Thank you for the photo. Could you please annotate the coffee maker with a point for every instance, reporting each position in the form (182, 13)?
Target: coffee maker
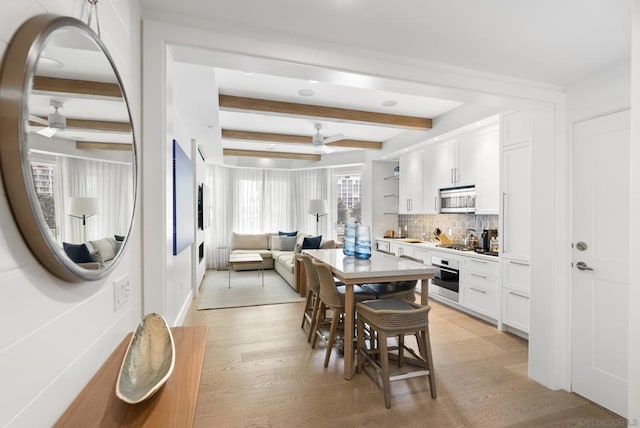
(485, 238)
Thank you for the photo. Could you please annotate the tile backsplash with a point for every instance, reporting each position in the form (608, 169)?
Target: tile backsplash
(417, 224)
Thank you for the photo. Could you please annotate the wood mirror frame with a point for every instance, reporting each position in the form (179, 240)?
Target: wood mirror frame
(17, 129)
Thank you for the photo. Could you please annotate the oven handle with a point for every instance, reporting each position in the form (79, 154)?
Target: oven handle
(455, 272)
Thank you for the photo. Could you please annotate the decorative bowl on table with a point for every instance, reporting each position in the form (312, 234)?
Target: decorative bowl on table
(148, 361)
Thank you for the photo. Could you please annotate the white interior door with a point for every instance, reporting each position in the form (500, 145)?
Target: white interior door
(600, 260)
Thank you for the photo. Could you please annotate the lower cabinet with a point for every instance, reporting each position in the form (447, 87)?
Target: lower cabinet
(401, 249)
(480, 286)
(515, 294)
(515, 309)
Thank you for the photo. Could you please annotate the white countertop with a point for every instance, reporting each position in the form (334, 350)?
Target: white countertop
(433, 246)
(379, 265)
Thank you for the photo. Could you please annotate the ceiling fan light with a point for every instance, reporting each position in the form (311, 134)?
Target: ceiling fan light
(57, 120)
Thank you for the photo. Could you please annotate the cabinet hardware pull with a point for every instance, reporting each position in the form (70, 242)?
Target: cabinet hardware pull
(452, 179)
(519, 295)
(435, 203)
(478, 290)
(504, 226)
(518, 263)
(478, 275)
(479, 261)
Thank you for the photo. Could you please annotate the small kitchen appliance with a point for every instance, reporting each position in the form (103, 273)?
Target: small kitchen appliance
(485, 238)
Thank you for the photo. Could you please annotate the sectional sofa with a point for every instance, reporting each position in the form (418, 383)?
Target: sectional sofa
(278, 251)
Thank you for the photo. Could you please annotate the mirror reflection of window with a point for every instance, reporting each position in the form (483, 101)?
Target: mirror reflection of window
(44, 181)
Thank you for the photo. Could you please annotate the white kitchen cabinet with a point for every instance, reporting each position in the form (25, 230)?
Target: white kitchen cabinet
(444, 172)
(411, 183)
(423, 255)
(401, 249)
(515, 309)
(515, 219)
(487, 178)
(470, 159)
(431, 184)
(516, 275)
(515, 238)
(480, 286)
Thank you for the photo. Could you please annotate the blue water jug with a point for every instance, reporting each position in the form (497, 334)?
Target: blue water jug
(349, 246)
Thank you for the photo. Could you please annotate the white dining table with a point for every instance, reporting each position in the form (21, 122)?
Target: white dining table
(380, 267)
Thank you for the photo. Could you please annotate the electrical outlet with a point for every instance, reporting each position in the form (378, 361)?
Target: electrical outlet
(121, 292)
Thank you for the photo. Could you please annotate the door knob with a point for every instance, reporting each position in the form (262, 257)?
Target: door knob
(583, 266)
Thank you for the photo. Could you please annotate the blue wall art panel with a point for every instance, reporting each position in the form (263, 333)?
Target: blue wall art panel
(182, 199)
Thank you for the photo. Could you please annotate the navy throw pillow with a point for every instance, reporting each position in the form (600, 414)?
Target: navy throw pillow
(78, 253)
(312, 243)
(119, 237)
(288, 233)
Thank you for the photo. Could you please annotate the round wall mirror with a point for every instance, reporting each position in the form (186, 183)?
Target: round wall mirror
(67, 147)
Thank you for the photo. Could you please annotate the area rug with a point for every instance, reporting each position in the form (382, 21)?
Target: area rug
(246, 290)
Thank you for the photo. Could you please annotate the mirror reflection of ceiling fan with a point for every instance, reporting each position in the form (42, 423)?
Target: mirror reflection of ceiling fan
(319, 141)
(55, 120)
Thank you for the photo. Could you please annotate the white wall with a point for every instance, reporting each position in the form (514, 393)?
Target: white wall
(55, 335)
(634, 231)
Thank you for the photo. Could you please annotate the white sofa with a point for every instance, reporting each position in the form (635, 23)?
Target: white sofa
(277, 253)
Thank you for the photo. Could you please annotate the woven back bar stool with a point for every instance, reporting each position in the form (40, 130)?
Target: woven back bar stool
(332, 297)
(312, 304)
(388, 318)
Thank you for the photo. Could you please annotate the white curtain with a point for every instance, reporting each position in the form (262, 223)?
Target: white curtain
(257, 201)
(111, 183)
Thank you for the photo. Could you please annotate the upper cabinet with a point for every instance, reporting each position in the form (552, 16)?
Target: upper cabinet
(487, 179)
(516, 178)
(411, 181)
(471, 159)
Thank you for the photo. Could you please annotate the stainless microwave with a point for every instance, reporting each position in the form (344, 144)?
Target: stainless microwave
(458, 199)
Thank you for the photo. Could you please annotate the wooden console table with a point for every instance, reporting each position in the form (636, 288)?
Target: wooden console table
(174, 405)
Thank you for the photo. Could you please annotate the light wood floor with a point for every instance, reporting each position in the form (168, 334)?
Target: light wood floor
(259, 371)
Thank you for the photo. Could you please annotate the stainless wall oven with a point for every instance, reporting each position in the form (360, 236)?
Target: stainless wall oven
(446, 282)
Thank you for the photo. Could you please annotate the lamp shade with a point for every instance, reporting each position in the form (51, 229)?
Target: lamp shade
(317, 206)
(83, 206)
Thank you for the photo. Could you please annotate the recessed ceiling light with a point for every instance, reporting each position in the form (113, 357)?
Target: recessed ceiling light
(313, 81)
(248, 73)
(306, 92)
(389, 103)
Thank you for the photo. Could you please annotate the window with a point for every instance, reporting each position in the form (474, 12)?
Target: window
(348, 203)
(43, 179)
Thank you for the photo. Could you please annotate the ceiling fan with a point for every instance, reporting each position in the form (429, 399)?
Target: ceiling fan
(319, 141)
(55, 120)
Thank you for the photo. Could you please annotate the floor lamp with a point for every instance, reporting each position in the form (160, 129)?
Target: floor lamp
(318, 208)
(83, 208)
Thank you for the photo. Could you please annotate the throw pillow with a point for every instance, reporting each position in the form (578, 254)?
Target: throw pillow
(312, 243)
(78, 253)
(287, 233)
(287, 243)
(106, 247)
(328, 244)
(275, 243)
